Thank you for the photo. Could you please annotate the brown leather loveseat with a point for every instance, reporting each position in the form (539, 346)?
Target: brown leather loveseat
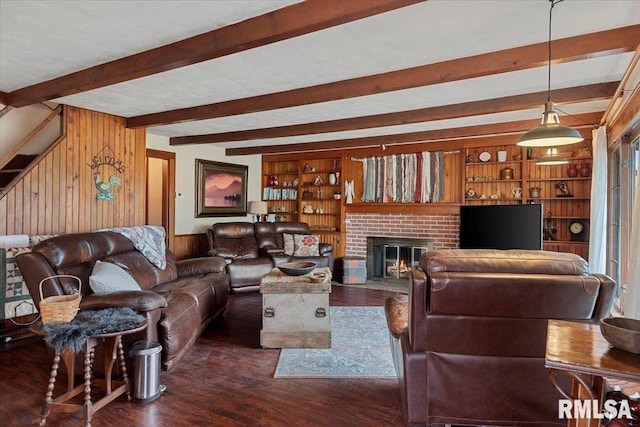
(469, 341)
(252, 250)
(178, 302)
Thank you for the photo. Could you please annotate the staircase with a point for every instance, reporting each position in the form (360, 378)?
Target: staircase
(14, 168)
(26, 149)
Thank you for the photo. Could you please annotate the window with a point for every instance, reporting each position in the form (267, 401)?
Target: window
(624, 161)
(614, 202)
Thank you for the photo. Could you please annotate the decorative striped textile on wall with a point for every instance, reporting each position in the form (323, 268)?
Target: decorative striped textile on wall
(403, 178)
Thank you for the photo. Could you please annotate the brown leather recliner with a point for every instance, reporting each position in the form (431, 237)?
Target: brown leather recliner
(178, 302)
(236, 243)
(469, 341)
(270, 237)
(252, 250)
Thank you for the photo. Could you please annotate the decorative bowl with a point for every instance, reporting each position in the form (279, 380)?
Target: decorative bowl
(318, 277)
(297, 268)
(622, 333)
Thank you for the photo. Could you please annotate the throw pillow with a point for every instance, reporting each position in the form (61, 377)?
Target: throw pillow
(288, 243)
(306, 245)
(107, 277)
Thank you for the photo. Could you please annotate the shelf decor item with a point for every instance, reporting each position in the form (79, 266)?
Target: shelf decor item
(572, 172)
(549, 227)
(577, 230)
(506, 173)
(585, 170)
(517, 192)
(534, 192)
(332, 178)
(563, 189)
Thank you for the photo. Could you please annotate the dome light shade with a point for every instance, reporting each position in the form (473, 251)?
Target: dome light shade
(551, 158)
(550, 133)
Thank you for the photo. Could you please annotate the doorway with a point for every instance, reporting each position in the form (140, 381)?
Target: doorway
(161, 184)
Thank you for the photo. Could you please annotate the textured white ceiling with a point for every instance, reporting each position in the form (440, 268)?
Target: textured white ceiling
(40, 40)
(43, 39)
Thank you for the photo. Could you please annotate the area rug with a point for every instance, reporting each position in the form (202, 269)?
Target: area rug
(359, 349)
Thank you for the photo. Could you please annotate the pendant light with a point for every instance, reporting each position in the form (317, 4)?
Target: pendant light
(550, 132)
(552, 158)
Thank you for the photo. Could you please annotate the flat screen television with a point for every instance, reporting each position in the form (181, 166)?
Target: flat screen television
(501, 227)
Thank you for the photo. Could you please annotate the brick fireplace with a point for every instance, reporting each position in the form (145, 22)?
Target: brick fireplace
(441, 229)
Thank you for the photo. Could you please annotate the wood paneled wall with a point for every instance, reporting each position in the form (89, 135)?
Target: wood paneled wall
(190, 246)
(58, 195)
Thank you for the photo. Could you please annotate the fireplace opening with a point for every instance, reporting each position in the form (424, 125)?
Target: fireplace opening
(391, 258)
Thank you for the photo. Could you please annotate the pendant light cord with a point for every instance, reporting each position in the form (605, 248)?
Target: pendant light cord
(553, 3)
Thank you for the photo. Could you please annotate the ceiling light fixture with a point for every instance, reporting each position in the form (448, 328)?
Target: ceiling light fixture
(550, 132)
(552, 158)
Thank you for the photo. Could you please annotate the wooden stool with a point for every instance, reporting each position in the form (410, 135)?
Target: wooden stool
(112, 349)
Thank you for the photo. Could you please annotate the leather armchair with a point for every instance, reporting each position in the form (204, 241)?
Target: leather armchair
(236, 243)
(469, 340)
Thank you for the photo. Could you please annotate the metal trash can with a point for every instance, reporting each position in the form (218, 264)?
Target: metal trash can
(146, 376)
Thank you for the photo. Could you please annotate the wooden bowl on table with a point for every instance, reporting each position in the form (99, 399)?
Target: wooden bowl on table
(299, 268)
(622, 333)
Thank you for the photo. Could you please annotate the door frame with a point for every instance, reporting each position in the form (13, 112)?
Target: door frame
(168, 197)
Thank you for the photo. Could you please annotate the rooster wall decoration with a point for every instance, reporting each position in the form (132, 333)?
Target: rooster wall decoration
(105, 189)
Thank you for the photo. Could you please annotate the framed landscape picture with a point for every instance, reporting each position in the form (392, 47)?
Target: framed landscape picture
(221, 189)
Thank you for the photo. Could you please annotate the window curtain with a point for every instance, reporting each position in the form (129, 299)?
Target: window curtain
(598, 215)
(632, 309)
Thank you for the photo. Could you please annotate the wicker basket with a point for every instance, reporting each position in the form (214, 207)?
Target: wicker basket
(60, 308)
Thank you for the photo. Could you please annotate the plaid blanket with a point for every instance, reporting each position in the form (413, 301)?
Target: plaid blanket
(148, 239)
(15, 300)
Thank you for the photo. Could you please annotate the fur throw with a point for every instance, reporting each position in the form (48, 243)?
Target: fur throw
(72, 336)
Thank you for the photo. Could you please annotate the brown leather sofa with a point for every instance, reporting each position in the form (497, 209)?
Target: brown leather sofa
(178, 302)
(252, 250)
(468, 341)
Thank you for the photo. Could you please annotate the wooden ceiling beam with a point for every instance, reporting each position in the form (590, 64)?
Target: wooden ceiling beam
(4, 98)
(291, 21)
(497, 105)
(601, 43)
(578, 121)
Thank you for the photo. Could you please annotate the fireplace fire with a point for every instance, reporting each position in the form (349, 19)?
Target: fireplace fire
(393, 257)
(393, 270)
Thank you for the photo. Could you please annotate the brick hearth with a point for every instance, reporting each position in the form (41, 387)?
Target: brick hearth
(443, 229)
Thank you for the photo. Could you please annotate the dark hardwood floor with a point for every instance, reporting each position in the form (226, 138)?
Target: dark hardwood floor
(225, 380)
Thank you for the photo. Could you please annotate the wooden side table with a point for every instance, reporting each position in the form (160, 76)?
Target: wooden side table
(112, 349)
(580, 351)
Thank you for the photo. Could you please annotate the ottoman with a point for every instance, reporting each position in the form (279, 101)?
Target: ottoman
(351, 270)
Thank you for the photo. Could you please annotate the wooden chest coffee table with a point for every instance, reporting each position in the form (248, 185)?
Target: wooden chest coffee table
(295, 311)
